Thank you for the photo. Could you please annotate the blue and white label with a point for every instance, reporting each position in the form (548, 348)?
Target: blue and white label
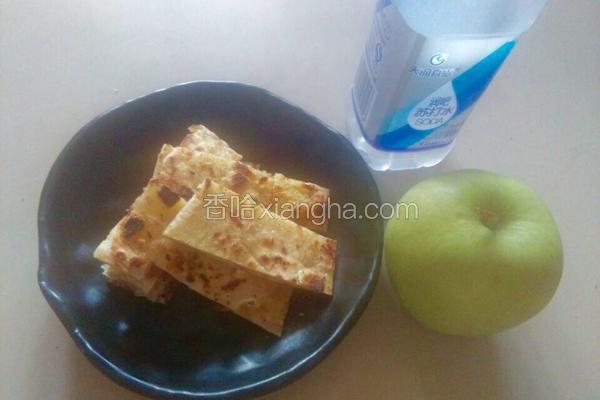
(433, 111)
(431, 122)
(413, 92)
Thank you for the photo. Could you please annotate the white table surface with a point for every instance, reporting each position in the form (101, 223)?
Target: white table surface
(63, 62)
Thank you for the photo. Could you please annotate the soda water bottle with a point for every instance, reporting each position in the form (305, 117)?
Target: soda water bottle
(425, 64)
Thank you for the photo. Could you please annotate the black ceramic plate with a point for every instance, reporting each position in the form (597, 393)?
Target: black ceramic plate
(188, 349)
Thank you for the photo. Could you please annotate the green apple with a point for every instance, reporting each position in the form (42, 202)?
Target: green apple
(483, 255)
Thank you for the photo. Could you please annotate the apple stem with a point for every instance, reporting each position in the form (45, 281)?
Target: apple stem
(489, 218)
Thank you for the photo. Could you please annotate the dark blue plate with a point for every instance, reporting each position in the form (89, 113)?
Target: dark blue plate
(188, 349)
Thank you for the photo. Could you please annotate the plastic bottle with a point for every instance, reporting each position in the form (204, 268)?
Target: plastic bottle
(425, 64)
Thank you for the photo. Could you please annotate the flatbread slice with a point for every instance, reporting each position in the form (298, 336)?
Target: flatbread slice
(124, 251)
(302, 202)
(146, 280)
(202, 139)
(261, 242)
(139, 247)
(247, 295)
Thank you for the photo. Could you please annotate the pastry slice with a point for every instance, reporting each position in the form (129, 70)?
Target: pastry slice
(137, 247)
(146, 280)
(302, 202)
(202, 139)
(254, 239)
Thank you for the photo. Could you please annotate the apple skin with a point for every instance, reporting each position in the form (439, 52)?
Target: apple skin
(483, 256)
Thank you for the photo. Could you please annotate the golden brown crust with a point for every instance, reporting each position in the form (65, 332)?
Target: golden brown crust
(156, 258)
(168, 197)
(125, 244)
(266, 244)
(274, 191)
(132, 225)
(202, 139)
(177, 173)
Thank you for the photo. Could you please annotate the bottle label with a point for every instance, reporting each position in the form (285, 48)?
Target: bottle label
(414, 93)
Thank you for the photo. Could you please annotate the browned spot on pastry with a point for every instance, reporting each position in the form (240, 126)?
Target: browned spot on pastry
(237, 181)
(231, 285)
(168, 196)
(186, 192)
(262, 180)
(152, 272)
(178, 265)
(132, 225)
(237, 249)
(175, 260)
(190, 277)
(208, 168)
(281, 261)
(120, 256)
(207, 183)
(329, 249)
(221, 238)
(283, 250)
(241, 175)
(205, 281)
(136, 262)
(274, 260)
(329, 245)
(242, 169)
(309, 186)
(268, 242)
(314, 282)
(265, 259)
